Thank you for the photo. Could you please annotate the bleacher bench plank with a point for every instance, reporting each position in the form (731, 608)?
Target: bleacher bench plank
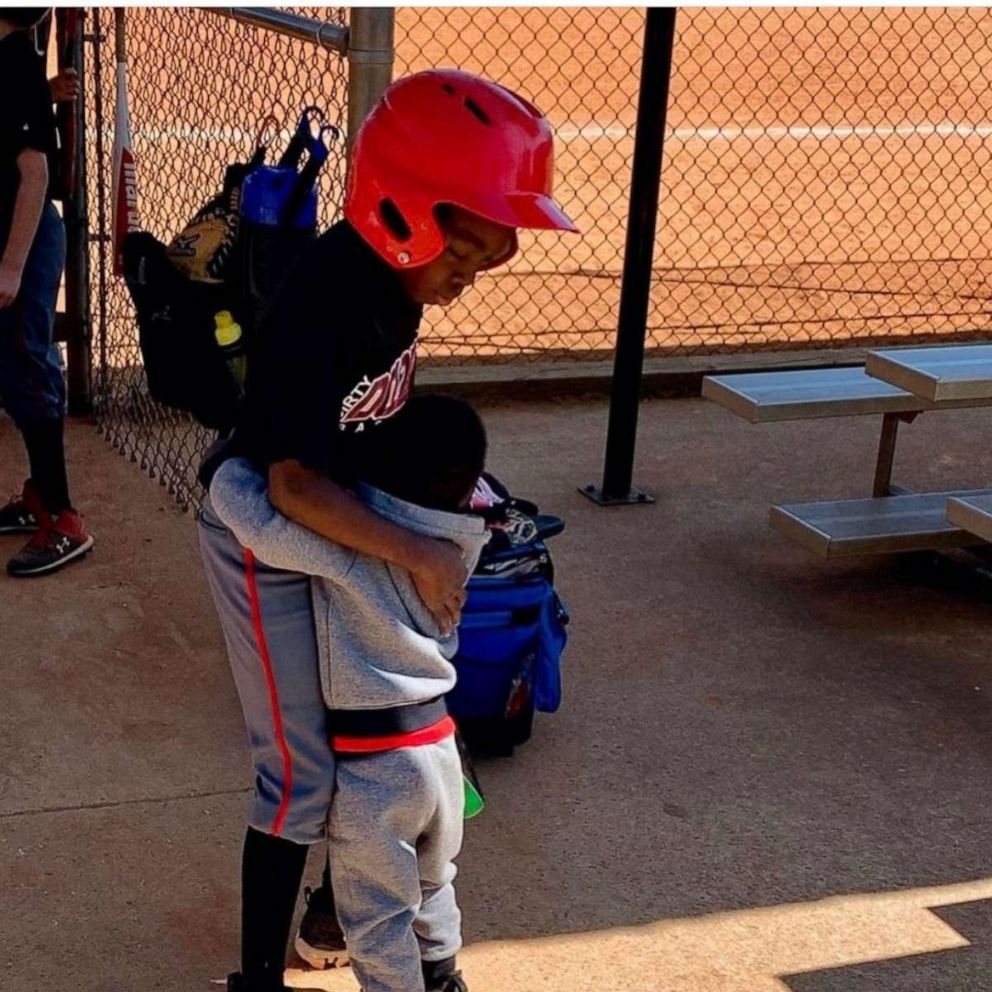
(973, 514)
(880, 525)
(943, 374)
(766, 397)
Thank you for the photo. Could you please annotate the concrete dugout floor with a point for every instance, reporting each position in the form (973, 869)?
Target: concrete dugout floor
(767, 772)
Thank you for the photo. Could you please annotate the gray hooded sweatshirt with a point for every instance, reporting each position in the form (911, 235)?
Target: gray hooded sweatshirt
(379, 644)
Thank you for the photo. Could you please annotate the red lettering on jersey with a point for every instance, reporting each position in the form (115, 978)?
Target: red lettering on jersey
(383, 397)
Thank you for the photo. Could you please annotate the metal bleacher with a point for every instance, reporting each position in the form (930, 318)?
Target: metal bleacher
(848, 527)
(892, 519)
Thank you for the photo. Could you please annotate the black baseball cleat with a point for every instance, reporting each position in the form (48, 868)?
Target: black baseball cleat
(320, 940)
(450, 983)
(443, 976)
(22, 513)
(236, 982)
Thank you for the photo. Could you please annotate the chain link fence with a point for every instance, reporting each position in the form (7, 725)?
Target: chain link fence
(826, 179)
(194, 111)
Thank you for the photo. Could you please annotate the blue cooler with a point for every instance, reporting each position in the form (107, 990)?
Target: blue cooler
(511, 638)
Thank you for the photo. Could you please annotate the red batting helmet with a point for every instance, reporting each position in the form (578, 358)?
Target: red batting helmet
(445, 136)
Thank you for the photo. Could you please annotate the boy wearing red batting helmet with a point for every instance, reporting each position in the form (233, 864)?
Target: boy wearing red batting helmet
(443, 172)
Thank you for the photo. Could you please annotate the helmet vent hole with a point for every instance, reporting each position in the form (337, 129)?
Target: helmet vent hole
(475, 109)
(394, 220)
(448, 88)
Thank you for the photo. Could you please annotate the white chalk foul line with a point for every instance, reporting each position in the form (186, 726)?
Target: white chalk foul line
(712, 134)
(685, 135)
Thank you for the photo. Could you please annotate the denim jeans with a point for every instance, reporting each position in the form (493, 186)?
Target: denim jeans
(32, 383)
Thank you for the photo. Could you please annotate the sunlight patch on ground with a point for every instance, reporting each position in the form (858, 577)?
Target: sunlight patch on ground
(741, 951)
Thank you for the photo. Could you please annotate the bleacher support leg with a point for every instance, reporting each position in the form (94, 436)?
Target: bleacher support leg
(886, 455)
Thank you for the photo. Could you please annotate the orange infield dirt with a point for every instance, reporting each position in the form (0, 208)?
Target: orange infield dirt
(825, 174)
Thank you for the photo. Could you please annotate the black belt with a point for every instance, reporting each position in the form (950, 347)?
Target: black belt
(386, 722)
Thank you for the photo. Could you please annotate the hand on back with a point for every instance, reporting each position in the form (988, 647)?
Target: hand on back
(440, 582)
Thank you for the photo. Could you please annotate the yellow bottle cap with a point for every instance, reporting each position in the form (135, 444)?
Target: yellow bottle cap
(226, 330)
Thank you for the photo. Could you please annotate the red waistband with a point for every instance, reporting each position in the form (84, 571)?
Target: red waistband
(433, 734)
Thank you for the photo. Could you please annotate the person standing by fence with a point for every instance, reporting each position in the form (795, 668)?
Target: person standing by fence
(443, 172)
(32, 257)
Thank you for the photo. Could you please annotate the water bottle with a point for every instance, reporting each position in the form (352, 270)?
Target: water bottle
(227, 332)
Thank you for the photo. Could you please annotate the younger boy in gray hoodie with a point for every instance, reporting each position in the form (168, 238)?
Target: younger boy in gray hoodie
(396, 818)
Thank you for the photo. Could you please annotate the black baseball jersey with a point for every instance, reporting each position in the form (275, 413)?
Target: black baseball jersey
(333, 360)
(26, 116)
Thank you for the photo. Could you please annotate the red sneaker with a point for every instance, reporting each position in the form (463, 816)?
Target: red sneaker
(56, 543)
(23, 513)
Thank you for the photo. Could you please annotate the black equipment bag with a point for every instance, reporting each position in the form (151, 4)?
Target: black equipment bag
(184, 367)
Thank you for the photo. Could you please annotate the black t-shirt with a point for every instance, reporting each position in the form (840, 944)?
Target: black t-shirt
(26, 116)
(333, 361)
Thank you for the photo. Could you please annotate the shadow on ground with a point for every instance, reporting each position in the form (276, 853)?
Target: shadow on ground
(942, 971)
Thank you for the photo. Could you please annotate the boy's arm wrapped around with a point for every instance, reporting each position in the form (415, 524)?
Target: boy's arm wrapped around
(240, 498)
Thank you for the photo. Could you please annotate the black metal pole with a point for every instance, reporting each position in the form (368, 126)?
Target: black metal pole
(628, 363)
(103, 228)
(75, 216)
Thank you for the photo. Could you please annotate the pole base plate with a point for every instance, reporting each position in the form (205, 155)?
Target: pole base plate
(634, 497)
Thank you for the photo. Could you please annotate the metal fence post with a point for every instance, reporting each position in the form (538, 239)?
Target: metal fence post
(370, 61)
(628, 364)
(75, 217)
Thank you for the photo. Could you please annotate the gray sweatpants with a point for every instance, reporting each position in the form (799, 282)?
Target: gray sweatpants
(395, 829)
(267, 618)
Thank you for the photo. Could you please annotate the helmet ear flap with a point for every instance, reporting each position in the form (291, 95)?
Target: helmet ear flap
(411, 230)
